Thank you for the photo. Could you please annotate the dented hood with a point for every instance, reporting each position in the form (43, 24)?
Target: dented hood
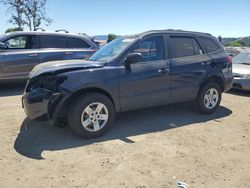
(63, 66)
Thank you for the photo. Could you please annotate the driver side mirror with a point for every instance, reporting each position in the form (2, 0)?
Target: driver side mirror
(133, 58)
(2, 46)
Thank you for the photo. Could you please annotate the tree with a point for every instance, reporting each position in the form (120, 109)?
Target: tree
(13, 29)
(35, 13)
(15, 9)
(236, 43)
(111, 37)
(220, 39)
(29, 13)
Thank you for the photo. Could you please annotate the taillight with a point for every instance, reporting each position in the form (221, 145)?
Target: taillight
(229, 59)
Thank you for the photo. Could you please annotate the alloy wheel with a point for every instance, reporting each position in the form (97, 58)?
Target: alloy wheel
(94, 117)
(211, 98)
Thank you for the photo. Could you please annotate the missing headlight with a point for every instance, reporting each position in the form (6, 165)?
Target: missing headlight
(48, 82)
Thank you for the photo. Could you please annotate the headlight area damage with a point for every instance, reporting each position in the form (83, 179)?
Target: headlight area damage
(42, 94)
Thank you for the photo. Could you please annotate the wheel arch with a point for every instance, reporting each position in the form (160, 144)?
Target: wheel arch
(214, 78)
(61, 110)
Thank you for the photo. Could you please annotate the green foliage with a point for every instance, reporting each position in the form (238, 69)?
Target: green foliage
(111, 37)
(236, 43)
(31, 13)
(13, 29)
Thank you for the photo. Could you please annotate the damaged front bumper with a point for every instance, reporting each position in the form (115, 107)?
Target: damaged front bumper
(40, 103)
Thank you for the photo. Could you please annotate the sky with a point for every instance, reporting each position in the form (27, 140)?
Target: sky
(228, 18)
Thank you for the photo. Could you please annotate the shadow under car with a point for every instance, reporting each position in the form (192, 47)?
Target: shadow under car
(36, 137)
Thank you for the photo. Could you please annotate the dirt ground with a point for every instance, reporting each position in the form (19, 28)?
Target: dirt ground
(147, 148)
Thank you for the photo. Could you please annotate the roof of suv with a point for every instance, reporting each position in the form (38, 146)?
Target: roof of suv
(86, 37)
(46, 33)
(170, 31)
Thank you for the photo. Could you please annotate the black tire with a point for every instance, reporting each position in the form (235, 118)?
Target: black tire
(200, 100)
(77, 107)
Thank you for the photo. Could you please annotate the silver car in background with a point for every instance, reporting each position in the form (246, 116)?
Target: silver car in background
(21, 51)
(241, 70)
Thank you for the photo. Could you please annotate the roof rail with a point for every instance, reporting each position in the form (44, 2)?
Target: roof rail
(39, 28)
(176, 30)
(59, 30)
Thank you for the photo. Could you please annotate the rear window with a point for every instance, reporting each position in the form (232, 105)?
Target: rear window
(53, 42)
(77, 43)
(209, 44)
(242, 57)
(184, 46)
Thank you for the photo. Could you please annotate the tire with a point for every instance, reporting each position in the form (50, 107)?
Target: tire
(86, 120)
(206, 101)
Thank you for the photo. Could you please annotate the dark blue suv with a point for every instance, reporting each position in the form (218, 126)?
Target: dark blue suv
(149, 69)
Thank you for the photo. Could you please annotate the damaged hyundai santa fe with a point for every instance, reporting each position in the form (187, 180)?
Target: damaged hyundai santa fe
(132, 72)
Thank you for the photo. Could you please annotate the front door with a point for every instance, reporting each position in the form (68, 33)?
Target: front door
(20, 56)
(146, 83)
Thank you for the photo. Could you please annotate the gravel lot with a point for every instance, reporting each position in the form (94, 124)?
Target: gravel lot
(147, 148)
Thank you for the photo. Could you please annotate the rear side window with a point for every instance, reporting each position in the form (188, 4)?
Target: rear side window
(77, 43)
(151, 49)
(184, 46)
(53, 42)
(209, 44)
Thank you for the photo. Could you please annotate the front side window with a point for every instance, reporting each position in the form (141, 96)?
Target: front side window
(151, 49)
(112, 49)
(209, 44)
(18, 42)
(53, 42)
(184, 47)
(22, 42)
(77, 43)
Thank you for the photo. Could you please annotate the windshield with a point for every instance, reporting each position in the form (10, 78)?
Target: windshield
(111, 50)
(243, 58)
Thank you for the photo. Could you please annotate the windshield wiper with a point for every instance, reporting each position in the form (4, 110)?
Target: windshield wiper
(245, 63)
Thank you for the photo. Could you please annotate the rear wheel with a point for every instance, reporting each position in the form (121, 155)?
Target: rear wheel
(91, 115)
(208, 98)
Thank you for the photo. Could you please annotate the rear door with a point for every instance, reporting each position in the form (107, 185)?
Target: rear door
(187, 66)
(146, 83)
(54, 47)
(80, 48)
(21, 55)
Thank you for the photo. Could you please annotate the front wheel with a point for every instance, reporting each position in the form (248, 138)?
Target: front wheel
(208, 98)
(90, 115)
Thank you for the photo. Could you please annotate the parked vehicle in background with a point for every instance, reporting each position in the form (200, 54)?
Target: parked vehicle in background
(21, 51)
(233, 51)
(132, 72)
(241, 70)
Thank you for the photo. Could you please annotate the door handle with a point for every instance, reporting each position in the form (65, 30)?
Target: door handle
(68, 53)
(163, 71)
(32, 55)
